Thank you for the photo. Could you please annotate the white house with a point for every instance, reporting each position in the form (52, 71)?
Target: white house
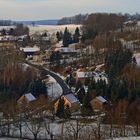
(32, 52)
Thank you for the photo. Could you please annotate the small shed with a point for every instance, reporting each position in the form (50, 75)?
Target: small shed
(25, 100)
(98, 103)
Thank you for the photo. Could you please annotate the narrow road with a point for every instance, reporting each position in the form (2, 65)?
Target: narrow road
(58, 79)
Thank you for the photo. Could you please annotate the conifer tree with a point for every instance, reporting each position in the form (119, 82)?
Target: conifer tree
(86, 107)
(67, 112)
(116, 60)
(67, 38)
(60, 109)
(58, 36)
(76, 35)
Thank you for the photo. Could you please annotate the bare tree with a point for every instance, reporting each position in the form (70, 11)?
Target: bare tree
(34, 123)
(18, 122)
(74, 128)
(48, 129)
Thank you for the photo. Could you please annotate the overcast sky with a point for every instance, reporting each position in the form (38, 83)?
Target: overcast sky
(55, 9)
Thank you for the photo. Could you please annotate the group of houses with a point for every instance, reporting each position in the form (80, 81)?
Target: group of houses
(34, 53)
(81, 73)
(11, 38)
(32, 103)
(98, 103)
(29, 101)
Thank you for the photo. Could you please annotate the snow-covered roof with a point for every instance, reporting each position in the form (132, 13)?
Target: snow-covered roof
(71, 98)
(7, 38)
(138, 23)
(97, 76)
(10, 36)
(66, 50)
(1, 114)
(99, 67)
(22, 36)
(60, 44)
(31, 49)
(126, 138)
(1, 37)
(30, 97)
(100, 98)
(45, 38)
(137, 56)
(81, 74)
(128, 22)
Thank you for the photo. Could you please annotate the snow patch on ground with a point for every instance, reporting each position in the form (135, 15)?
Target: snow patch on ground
(137, 56)
(138, 61)
(53, 88)
(49, 28)
(9, 138)
(126, 138)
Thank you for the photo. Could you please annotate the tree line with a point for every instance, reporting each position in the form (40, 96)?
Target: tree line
(5, 22)
(77, 19)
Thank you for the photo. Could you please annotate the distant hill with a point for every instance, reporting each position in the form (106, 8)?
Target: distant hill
(77, 19)
(39, 22)
(5, 22)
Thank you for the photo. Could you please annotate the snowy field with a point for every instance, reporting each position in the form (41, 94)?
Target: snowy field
(50, 28)
(126, 138)
(138, 61)
(9, 138)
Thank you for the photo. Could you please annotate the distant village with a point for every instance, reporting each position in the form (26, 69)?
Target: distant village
(79, 84)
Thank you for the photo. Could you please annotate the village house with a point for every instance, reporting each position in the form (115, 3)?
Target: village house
(33, 103)
(41, 102)
(7, 38)
(25, 100)
(32, 53)
(67, 54)
(70, 100)
(82, 74)
(21, 38)
(98, 103)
